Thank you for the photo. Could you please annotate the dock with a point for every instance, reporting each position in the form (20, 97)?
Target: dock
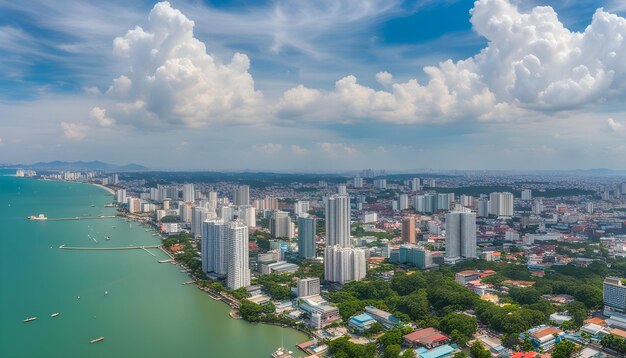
(63, 247)
(146, 250)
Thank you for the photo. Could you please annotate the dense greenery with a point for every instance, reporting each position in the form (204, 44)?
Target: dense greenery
(614, 342)
(478, 351)
(343, 348)
(563, 349)
(276, 285)
(188, 256)
(253, 312)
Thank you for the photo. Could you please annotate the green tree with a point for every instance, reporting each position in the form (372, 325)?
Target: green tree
(392, 351)
(478, 351)
(563, 349)
(460, 355)
(408, 353)
(462, 323)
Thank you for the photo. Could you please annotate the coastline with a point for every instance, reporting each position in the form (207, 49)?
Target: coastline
(111, 191)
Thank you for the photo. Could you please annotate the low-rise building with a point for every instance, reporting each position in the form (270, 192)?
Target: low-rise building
(544, 337)
(362, 322)
(426, 337)
(319, 311)
(385, 318)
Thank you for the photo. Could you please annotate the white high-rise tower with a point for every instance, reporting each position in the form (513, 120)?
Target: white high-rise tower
(338, 220)
(189, 194)
(460, 235)
(238, 272)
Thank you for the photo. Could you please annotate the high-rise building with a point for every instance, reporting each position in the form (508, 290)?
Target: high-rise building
(198, 216)
(343, 264)
(501, 204)
(185, 212)
(614, 295)
(527, 194)
(238, 270)
(300, 207)
(342, 190)
(443, 202)
(357, 182)
(460, 235)
(120, 196)
(415, 184)
(213, 246)
(241, 195)
(226, 212)
(308, 287)
(380, 183)
(247, 215)
(189, 194)
(338, 220)
(482, 207)
(408, 229)
(134, 205)
(115, 179)
(403, 202)
(281, 225)
(306, 237)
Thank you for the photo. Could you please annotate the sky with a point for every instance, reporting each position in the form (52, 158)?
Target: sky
(326, 85)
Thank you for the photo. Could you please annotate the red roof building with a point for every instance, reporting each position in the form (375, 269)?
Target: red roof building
(427, 337)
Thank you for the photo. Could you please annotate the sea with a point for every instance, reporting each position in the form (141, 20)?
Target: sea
(146, 311)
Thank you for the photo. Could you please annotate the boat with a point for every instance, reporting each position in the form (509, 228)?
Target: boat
(93, 206)
(106, 293)
(38, 217)
(54, 314)
(99, 339)
(29, 319)
(108, 237)
(282, 352)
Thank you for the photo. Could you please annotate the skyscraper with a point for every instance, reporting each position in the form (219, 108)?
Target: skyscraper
(527, 194)
(501, 204)
(281, 225)
(189, 194)
(306, 237)
(415, 184)
(380, 183)
(198, 216)
(408, 229)
(214, 238)
(403, 202)
(338, 220)
(120, 196)
(357, 182)
(238, 270)
(341, 189)
(460, 235)
(482, 207)
(343, 264)
(300, 207)
(241, 195)
(247, 215)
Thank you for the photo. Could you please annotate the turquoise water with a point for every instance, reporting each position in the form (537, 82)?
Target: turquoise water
(147, 313)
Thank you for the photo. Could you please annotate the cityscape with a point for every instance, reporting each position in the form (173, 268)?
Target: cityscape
(313, 178)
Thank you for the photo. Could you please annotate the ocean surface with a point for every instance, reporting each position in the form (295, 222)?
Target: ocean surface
(147, 312)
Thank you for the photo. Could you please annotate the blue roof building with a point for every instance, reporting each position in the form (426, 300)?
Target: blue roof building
(361, 322)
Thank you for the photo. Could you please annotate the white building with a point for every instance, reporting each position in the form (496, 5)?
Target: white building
(380, 183)
(357, 182)
(460, 235)
(369, 217)
(281, 225)
(198, 216)
(403, 202)
(308, 286)
(214, 250)
(344, 264)
(247, 215)
(188, 193)
(338, 220)
(241, 195)
(120, 196)
(238, 270)
(301, 207)
(501, 204)
(527, 194)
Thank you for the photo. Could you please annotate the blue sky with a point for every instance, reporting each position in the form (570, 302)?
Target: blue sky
(314, 85)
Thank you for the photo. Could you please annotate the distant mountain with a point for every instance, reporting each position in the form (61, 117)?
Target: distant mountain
(93, 165)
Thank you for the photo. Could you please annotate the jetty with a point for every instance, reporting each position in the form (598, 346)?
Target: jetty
(63, 247)
(83, 218)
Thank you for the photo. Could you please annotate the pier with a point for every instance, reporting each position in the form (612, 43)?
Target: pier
(79, 218)
(63, 247)
(146, 250)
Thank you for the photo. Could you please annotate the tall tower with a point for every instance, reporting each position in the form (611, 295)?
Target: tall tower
(238, 270)
(189, 193)
(408, 229)
(214, 239)
(241, 195)
(338, 220)
(306, 237)
(460, 235)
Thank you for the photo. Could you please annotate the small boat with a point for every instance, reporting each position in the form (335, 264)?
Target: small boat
(78, 297)
(108, 237)
(99, 339)
(29, 319)
(106, 293)
(93, 206)
(54, 314)
(282, 353)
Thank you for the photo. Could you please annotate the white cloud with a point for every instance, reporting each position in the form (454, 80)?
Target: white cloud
(384, 78)
(532, 63)
(296, 149)
(172, 80)
(269, 148)
(100, 115)
(615, 126)
(336, 149)
(73, 131)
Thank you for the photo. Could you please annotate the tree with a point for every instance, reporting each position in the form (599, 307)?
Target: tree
(460, 355)
(525, 296)
(408, 353)
(458, 337)
(392, 351)
(465, 325)
(478, 351)
(217, 287)
(563, 349)
(578, 311)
